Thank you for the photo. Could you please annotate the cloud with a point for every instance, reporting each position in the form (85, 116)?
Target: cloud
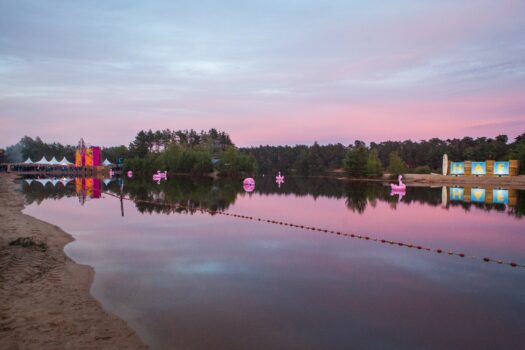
(331, 72)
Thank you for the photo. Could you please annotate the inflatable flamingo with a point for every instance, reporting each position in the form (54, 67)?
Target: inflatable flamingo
(160, 176)
(279, 179)
(248, 184)
(401, 187)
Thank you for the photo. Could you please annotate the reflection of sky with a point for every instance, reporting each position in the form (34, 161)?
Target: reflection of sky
(218, 282)
(417, 69)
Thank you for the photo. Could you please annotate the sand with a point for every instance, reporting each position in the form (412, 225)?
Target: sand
(44, 295)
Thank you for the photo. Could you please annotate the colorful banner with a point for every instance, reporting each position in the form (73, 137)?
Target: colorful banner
(97, 156)
(97, 188)
(477, 195)
(78, 158)
(479, 168)
(457, 193)
(457, 168)
(500, 196)
(501, 168)
(89, 157)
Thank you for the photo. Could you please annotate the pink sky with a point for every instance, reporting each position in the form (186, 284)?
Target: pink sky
(265, 73)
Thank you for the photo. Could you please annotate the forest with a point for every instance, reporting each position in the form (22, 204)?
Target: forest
(192, 152)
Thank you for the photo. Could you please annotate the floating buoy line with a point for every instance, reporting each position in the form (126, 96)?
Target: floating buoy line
(331, 232)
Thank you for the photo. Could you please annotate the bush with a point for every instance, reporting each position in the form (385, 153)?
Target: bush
(423, 169)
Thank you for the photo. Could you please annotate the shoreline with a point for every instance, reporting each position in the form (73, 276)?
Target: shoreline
(46, 299)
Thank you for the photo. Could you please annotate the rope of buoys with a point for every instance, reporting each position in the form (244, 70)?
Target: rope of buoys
(338, 233)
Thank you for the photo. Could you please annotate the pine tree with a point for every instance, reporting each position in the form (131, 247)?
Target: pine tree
(374, 168)
(356, 159)
(396, 166)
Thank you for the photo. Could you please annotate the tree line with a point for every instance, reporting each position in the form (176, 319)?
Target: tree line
(189, 151)
(394, 157)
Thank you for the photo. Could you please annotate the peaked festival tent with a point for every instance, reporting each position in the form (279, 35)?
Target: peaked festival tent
(43, 161)
(28, 161)
(106, 162)
(54, 161)
(65, 181)
(64, 161)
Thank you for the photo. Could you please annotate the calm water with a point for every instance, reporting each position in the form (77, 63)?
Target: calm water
(190, 280)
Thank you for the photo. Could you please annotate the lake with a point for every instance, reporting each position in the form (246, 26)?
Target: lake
(185, 275)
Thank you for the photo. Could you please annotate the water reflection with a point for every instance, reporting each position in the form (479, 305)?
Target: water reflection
(188, 195)
(203, 282)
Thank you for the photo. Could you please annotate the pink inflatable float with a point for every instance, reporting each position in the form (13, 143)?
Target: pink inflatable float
(248, 184)
(279, 179)
(401, 187)
(130, 174)
(160, 176)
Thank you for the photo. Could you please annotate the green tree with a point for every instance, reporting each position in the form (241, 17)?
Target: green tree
(234, 162)
(518, 153)
(374, 168)
(396, 165)
(356, 160)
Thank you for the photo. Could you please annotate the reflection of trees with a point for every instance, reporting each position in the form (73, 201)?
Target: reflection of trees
(302, 186)
(186, 194)
(356, 198)
(519, 209)
(36, 192)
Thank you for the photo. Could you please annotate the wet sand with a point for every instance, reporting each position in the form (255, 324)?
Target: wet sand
(44, 296)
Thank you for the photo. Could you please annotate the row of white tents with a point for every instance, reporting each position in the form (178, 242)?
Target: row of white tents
(54, 161)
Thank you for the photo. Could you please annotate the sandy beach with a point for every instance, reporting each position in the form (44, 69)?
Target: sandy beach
(45, 299)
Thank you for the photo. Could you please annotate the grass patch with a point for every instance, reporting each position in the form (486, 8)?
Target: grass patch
(28, 242)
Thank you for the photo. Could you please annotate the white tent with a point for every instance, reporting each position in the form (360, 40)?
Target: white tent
(106, 162)
(28, 161)
(42, 161)
(65, 181)
(64, 161)
(54, 161)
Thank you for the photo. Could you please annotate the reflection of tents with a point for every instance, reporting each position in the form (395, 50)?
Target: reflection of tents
(107, 181)
(65, 181)
(106, 162)
(44, 182)
(29, 181)
(64, 161)
(28, 161)
(42, 161)
(54, 182)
